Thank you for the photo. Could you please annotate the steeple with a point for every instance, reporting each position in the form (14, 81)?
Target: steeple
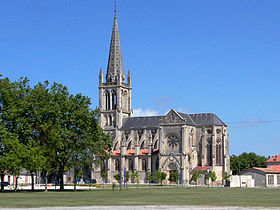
(115, 63)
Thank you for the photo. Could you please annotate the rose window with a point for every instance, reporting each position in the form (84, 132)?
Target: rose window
(172, 141)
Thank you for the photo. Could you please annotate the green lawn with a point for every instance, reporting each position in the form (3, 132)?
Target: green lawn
(154, 196)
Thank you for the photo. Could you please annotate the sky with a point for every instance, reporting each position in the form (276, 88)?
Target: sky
(199, 56)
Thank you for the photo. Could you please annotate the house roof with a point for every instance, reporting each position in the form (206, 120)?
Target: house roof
(271, 169)
(275, 158)
(153, 122)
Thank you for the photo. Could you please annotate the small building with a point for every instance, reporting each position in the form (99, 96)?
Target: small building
(274, 161)
(265, 177)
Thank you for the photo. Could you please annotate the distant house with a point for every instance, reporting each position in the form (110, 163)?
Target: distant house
(274, 161)
(266, 177)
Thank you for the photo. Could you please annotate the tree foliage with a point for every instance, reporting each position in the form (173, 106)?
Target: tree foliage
(246, 161)
(195, 176)
(56, 129)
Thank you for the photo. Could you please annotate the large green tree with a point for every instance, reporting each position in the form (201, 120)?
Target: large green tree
(10, 155)
(50, 119)
(246, 161)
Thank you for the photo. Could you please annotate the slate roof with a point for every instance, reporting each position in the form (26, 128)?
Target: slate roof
(206, 119)
(141, 122)
(152, 122)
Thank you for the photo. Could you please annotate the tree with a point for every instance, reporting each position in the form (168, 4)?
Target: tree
(150, 178)
(246, 161)
(10, 155)
(196, 174)
(104, 175)
(135, 177)
(33, 159)
(61, 123)
(65, 124)
(213, 177)
(226, 178)
(118, 178)
(173, 176)
(207, 177)
(159, 176)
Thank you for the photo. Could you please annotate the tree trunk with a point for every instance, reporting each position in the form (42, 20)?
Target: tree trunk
(32, 181)
(46, 183)
(16, 185)
(75, 181)
(61, 184)
(2, 182)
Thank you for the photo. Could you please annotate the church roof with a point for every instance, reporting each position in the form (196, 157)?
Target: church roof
(206, 119)
(141, 122)
(151, 122)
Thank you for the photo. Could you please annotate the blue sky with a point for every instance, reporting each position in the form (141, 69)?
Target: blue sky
(193, 56)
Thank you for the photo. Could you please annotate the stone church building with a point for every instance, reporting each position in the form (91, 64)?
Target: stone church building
(177, 142)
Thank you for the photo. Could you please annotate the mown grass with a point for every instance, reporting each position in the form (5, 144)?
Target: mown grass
(154, 196)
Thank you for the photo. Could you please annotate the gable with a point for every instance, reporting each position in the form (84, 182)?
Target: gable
(173, 117)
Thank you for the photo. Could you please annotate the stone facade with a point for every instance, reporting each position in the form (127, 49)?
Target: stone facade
(177, 142)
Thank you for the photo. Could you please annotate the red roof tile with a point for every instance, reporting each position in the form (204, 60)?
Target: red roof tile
(271, 169)
(201, 168)
(144, 151)
(131, 152)
(275, 158)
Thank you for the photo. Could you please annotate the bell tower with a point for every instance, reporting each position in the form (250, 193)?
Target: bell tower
(114, 93)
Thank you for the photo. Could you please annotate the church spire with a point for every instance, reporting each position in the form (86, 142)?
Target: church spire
(115, 63)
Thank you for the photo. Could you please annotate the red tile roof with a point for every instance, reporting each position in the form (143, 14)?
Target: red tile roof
(271, 169)
(201, 168)
(132, 152)
(275, 158)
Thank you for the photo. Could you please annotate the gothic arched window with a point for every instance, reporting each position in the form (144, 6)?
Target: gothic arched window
(218, 152)
(144, 165)
(114, 99)
(130, 164)
(107, 100)
(209, 152)
(117, 165)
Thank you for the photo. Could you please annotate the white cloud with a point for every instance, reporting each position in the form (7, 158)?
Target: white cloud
(144, 112)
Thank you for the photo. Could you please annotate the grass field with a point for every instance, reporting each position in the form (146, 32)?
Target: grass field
(161, 196)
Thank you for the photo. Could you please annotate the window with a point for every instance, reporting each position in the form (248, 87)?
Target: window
(270, 179)
(218, 152)
(144, 166)
(130, 164)
(172, 141)
(117, 165)
(278, 179)
(209, 152)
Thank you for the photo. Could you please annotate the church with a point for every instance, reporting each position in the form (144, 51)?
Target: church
(175, 142)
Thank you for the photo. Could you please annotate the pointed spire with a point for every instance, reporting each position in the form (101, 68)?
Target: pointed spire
(115, 63)
(100, 76)
(129, 78)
